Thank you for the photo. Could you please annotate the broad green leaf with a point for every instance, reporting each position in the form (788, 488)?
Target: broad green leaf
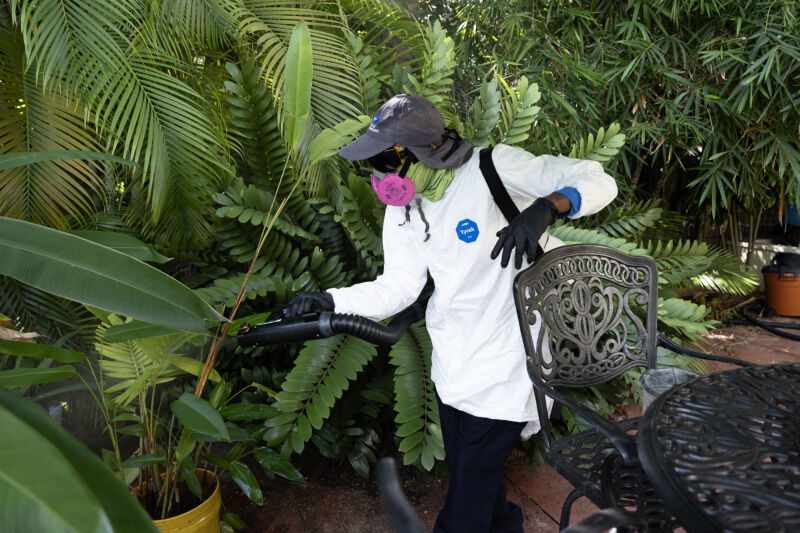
(220, 394)
(247, 411)
(122, 243)
(140, 461)
(51, 478)
(39, 488)
(193, 367)
(40, 351)
(274, 463)
(198, 415)
(297, 86)
(21, 377)
(244, 477)
(18, 159)
(185, 445)
(330, 140)
(135, 329)
(92, 274)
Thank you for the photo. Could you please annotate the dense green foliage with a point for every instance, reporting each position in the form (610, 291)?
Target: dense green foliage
(237, 185)
(707, 91)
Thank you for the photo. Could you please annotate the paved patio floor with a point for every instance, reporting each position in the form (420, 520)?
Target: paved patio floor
(333, 502)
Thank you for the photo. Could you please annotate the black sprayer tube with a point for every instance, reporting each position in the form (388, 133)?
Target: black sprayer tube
(326, 324)
(400, 512)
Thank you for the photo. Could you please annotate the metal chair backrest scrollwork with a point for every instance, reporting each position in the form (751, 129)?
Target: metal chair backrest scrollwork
(588, 314)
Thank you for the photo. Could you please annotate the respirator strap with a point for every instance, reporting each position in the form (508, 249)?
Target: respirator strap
(409, 160)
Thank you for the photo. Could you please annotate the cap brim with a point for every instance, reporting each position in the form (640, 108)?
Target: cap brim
(363, 148)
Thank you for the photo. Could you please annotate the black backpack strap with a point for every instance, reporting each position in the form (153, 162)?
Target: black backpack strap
(496, 187)
(498, 190)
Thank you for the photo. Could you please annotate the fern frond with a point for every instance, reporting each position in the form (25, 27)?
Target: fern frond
(485, 114)
(251, 205)
(370, 72)
(684, 316)
(519, 111)
(435, 80)
(628, 221)
(355, 208)
(336, 91)
(387, 28)
(51, 316)
(254, 121)
(353, 429)
(600, 148)
(49, 192)
(572, 235)
(725, 274)
(415, 400)
(322, 371)
(135, 365)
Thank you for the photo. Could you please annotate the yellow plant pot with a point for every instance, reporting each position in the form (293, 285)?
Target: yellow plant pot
(202, 519)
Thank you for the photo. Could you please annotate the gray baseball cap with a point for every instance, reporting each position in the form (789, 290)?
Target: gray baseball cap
(405, 120)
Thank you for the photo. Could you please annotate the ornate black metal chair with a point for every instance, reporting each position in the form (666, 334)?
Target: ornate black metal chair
(587, 315)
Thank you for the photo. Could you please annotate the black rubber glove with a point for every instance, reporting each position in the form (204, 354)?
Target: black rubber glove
(524, 231)
(306, 301)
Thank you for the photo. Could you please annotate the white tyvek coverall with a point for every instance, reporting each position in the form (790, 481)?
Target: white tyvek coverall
(478, 357)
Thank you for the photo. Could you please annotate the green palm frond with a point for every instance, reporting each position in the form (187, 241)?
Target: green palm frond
(572, 235)
(415, 400)
(353, 429)
(370, 73)
(602, 147)
(485, 114)
(322, 371)
(519, 111)
(182, 27)
(726, 274)
(390, 30)
(260, 284)
(131, 367)
(336, 91)
(679, 260)
(358, 212)
(685, 317)
(48, 192)
(83, 50)
(436, 77)
(628, 221)
(251, 205)
(254, 121)
(695, 264)
(692, 263)
(53, 317)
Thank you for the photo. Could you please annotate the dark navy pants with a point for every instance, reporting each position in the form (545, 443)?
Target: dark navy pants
(477, 449)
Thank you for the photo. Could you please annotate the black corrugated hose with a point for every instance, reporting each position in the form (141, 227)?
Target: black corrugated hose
(749, 312)
(322, 325)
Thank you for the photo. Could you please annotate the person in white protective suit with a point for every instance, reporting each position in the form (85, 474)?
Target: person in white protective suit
(442, 220)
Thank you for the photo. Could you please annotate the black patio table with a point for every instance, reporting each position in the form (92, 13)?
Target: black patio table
(723, 450)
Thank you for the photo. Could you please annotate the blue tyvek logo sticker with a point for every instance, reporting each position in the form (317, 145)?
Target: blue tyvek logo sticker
(375, 120)
(467, 230)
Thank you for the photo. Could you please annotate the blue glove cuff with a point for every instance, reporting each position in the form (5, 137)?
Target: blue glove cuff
(574, 200)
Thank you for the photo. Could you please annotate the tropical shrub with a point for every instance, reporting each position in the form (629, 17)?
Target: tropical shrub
(235, 183)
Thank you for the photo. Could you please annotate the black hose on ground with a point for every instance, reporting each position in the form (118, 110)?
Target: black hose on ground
(772, 327)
